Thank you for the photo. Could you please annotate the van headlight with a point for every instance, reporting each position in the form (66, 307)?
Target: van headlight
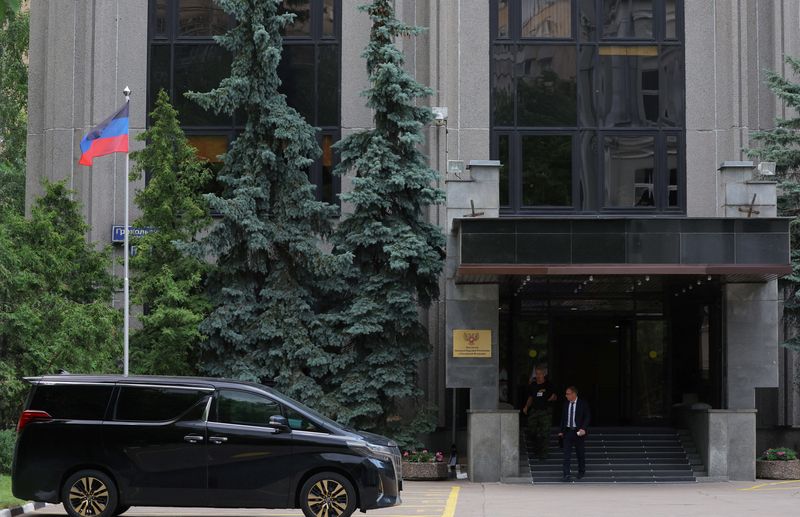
(371, 450)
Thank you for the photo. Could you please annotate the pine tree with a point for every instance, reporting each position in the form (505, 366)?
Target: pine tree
(782, 145)
(271, 272)
(55, 294)
(166, 281)
(398, 255)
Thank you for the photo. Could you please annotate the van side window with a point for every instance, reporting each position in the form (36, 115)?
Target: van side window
(74, 402)
(142, 404)
(241, 407)
(299, 422)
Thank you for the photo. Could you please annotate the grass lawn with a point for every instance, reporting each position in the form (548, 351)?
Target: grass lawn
(6, 499)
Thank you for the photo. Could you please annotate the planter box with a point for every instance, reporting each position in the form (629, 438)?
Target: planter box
(424, 471)
(778, 469)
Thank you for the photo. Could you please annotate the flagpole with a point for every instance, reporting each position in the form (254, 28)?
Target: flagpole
(126, 285)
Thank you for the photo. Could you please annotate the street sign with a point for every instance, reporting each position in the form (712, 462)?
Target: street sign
(118, 232)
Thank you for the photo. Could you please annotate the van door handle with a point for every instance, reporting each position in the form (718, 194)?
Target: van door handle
(192, 438)
(218, 440)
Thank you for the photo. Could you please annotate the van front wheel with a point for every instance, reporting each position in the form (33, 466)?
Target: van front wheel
(89, 493)
(328, 494)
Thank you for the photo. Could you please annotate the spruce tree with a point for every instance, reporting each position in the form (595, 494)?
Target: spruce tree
(782, 146)
(271, 271)
(398, 254)
(167, 282)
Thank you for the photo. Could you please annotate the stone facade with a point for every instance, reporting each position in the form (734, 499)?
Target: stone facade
(83, 53)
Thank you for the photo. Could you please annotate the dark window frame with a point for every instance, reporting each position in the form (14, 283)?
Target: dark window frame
(515, 132)
(317, 39)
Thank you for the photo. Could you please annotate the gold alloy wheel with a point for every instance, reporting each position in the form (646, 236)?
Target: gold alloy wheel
(88, 496)
(327, 498)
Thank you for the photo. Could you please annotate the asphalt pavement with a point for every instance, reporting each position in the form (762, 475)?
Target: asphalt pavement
(463, 499)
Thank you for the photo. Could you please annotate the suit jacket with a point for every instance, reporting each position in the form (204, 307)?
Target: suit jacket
(583, 417)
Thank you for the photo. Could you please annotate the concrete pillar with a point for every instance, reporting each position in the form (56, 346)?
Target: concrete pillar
(726, 442)
(472, 306)
(493, 445)
(751, 329)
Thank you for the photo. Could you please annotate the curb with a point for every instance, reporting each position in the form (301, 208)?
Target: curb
(21, 510)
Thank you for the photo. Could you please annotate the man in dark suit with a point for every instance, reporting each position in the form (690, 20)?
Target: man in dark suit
(575, 420)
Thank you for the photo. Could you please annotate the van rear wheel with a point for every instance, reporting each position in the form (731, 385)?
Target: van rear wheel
(89, 493)
(328, 494)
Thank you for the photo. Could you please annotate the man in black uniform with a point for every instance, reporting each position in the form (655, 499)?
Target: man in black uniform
(575, 421)
(539, 410)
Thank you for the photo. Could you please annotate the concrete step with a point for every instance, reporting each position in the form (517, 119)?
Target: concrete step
(622, 455)
(679, 479)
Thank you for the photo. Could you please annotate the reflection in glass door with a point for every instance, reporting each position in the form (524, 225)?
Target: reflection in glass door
(648, 371)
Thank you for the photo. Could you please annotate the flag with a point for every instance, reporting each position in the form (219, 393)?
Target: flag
(110, 136)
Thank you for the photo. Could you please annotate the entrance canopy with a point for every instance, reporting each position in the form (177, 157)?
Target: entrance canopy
(742, 249)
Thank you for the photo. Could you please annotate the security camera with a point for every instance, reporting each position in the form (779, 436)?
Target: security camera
(439, 115)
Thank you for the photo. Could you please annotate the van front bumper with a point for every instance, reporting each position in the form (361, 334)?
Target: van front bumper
(380, 486)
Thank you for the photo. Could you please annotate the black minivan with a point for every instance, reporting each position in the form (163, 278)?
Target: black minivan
(100, 444)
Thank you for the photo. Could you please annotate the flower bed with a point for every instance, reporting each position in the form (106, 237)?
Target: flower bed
(424, 466)
(424, 471)
(779, 463)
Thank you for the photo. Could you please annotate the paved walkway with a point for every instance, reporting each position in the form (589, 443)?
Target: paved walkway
(462, 499)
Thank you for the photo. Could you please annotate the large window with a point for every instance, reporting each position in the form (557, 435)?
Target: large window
(587, 105)
(184, 57)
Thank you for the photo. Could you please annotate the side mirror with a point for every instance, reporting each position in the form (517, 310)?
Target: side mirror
(280, 423)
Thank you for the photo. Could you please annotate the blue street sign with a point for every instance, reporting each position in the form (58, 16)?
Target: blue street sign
(118, 232)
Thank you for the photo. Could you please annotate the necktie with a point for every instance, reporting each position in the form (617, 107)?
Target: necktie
(572, 414)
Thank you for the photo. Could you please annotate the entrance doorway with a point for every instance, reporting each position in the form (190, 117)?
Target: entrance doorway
(633, 348)
(618, 364)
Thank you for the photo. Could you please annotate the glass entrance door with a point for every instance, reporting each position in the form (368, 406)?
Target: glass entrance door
(618, 364)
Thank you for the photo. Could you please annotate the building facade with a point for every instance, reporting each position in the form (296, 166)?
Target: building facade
(608, 226)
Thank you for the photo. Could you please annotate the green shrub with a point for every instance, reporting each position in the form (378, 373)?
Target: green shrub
(779, 454)
(8, 438)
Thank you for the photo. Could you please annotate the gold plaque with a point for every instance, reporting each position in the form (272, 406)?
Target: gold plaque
(472, 343)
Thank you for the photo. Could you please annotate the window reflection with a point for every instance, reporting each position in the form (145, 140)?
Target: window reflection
(502, 19)
(201, 18)
(673, 160)
(628, 85)
(215, 63)
(628, 19)
(672, 107)
(160, 18)
(327, 192)
(296, 71)
(328, 90)
(629, 165)
(546, 18)
(587, 19)
(160, 65)
(670, 20)
(301, 25)
(328, 18)
(546, 86)
(505, 163)
(547, 170)
(503, 85)
(587, 172)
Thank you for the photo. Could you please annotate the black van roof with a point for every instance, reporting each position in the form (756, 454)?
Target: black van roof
(206, 382)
